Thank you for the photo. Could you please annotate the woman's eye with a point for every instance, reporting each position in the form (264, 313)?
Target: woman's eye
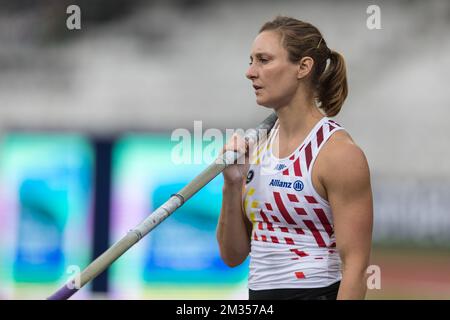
(260, 60)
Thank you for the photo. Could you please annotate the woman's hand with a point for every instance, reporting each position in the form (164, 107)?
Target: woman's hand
(235, 174)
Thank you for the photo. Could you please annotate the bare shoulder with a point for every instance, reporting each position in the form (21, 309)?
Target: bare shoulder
(343, 161)
(340, 147)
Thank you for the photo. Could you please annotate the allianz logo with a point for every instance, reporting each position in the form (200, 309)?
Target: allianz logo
(297, 185)
(280, 166)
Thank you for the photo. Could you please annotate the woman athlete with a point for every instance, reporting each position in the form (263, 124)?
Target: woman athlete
(301, 204)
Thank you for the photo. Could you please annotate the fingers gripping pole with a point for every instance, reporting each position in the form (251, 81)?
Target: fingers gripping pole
(160, 214)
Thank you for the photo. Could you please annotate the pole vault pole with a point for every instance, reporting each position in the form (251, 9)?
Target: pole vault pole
(159, 215)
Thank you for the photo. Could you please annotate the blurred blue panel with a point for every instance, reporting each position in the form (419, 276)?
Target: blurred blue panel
(184, 248)
(45, 192)
(180, 257)
(43, 213)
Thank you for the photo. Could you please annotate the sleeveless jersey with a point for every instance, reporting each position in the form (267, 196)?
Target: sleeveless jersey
(292, 241)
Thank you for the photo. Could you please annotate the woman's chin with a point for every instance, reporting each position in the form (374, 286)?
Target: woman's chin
(262, 102)
(265, 103)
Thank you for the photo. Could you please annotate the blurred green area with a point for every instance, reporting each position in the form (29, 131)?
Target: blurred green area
(411, 272)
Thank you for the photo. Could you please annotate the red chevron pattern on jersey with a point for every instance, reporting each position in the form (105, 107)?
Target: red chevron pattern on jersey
(310, 199)
(300, 253)
(292, 197)
(297, 168)
(266, 224)
(290, 220)
(324, 220)
(280, 205)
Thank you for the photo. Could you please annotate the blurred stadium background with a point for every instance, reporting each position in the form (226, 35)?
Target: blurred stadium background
(86, 118)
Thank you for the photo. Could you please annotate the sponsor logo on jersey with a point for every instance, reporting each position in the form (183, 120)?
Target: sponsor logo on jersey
(297, 185)
(280, 166)
(279, 183)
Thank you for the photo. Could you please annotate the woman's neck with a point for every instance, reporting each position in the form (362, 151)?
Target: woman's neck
(296, 120)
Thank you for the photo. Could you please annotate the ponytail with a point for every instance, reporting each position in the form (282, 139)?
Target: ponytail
(332, 86)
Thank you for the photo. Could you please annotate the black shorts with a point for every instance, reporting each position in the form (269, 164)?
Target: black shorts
(325, 293)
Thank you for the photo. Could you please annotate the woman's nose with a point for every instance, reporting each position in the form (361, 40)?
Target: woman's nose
(251, 73)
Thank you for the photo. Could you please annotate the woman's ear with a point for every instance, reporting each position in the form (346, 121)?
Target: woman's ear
(305, 66)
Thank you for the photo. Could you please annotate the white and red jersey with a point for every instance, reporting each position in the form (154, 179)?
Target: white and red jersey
(292, 243)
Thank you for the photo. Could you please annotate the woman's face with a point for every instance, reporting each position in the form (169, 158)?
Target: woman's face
(273, 76)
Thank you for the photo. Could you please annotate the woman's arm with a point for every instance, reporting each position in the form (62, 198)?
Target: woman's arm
(233, 229)
(347, 180)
